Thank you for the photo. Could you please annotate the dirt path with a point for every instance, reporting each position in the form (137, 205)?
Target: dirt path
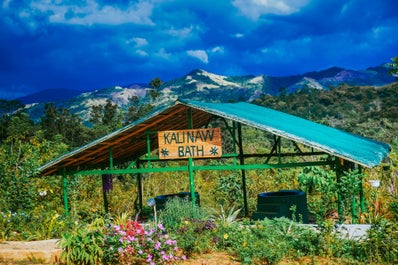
(47, 252)
(32, 252)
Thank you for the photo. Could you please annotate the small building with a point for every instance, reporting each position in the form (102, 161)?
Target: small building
(182, 130)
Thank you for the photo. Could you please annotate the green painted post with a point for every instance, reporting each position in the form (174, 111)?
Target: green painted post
(105, 197)
(354, 210)
(139, 184)
(191, 181)
(242, 162)
(190, 164)
(234, 126)
(110, 158)
(339, 199)
(279, 149)
(361, 195)
(148, 147)
(65, 191)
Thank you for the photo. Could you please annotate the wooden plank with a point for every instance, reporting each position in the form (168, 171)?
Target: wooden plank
(180, 144)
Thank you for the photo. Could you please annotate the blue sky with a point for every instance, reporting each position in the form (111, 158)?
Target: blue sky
(91, 44)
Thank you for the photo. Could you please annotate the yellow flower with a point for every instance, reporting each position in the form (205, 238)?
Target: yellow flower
(186, 222)
(244, 244)
(226, 236)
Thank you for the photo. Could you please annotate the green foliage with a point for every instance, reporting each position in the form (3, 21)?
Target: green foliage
(228, 190)
(196, 236)
(178, 210)
(382, 243)
(43, 224)
(321, 188)
(59, 122)
(136, 110)
(393, 207)
(224, 217)
(105, 118)
(394, 66)
(268, 240)
(83, 245)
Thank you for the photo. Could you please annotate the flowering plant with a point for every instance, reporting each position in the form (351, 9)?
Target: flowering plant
(132, 244)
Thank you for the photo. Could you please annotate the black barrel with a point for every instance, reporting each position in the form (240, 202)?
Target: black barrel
(280, 204)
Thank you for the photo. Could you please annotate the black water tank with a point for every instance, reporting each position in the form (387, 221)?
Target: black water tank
(280, 204)
(161, 200)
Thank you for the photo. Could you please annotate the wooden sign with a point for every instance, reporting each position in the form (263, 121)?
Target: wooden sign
(190, 143)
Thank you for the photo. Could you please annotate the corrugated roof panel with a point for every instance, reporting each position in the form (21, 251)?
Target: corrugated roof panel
(351, 147)
(126, 147)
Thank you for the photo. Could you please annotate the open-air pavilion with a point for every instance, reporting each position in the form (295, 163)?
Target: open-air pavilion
(183, 130)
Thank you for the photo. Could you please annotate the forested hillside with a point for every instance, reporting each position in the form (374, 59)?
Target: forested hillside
(364, 110)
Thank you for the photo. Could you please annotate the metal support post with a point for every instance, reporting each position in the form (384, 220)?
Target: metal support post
(139, 187)
(65, 191)
(361, 195)
(190, 164)
(242, 162)
(339, 199)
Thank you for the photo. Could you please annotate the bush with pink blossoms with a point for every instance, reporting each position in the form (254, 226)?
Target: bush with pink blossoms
(133, 244)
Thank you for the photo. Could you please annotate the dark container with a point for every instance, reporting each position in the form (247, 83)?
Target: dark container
(281, 204)
(161, 200)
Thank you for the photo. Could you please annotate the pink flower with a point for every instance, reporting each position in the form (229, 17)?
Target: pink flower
(161, 227)
(170, 242)
(184, 257)
(149, 259)
(157, 245)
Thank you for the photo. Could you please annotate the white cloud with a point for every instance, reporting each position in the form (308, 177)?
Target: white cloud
(217, 49)
(181, 33)
(6, 3)
(163, 54)
(255, 8)
(138, 42)
(91, 12)
(141, 53)
(199, 54)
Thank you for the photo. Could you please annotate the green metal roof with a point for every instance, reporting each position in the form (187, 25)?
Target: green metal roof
(351, 147)
(129, 142)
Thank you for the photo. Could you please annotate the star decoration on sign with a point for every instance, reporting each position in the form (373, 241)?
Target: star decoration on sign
(164, 152)
(214, 150)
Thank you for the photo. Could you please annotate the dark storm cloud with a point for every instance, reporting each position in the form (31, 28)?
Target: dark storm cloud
(94, 43)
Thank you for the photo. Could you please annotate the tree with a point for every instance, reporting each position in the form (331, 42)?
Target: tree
(8, 108)
(136, 111)
(394, 67)
(155, 83)
(58, 122)
(105, 118)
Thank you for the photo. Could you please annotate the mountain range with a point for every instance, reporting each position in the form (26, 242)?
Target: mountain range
(202, 85)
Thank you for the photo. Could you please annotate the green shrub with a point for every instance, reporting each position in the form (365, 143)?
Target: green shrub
(84, 245)
(196, 236)
(178, 210)
(228, 190)
(382, 242)
(267, 240)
